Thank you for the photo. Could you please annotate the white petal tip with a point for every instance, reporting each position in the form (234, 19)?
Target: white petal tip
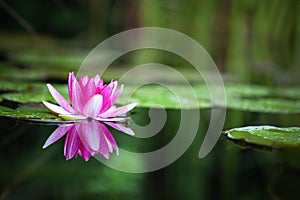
(131, 133)
(54, 108)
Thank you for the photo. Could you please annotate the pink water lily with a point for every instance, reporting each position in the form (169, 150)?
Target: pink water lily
(92, 102)
(90, 99)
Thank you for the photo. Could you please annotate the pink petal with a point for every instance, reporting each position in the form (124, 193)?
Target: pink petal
(56, 109)
(104, 148)
(83, 81)
(118, 111)
(89, 90)
(107, 91)
(109, 97)
(109, 110)
(110, 89)
(60, 99)
(84, 152)
(70, 85)
(107, 104)
(114, 85)
(72, 144)
(93, 106)
(89, 133)
(120, 128)
(77, 96)
(105, 155)
(56, 135)
(116, 96)
(96, 79)
(110, 138)
(98, 84)
(110, 148)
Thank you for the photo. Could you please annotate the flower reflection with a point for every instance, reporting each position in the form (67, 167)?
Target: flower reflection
(87, 138)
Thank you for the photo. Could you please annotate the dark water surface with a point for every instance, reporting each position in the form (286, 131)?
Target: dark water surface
(228, 172)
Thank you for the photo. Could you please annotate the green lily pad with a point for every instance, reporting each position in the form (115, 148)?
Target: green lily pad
(269, 136)
(254, 99)
(60, 60)
(32, 74)
(158, 96)
(5, 111)
(249, 91)
(26, 112)
(255, 91)
(31, 114)
(264, 105)
(239, 97)
(291, 92)
(29, 92)
(6, 86)
(245, 98)
(34, 113)
(27, 97)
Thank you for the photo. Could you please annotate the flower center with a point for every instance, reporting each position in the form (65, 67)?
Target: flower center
(89, 119)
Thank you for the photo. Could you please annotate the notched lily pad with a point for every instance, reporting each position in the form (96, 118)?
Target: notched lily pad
(266, 136)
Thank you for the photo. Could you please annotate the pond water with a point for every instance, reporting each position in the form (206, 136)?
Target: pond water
(229, 171)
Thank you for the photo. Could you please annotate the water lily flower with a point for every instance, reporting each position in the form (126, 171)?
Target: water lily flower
(85, 138)
(90, 99)
(91, 102)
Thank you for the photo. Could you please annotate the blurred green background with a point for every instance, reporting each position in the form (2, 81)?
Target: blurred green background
(245, 38)
(251, 41)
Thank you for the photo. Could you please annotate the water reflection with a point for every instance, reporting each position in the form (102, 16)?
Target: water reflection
(87, 138)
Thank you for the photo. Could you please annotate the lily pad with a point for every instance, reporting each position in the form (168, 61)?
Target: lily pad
(256, 91)
(32, 74)
(254, 99)
(32, 114)
(37, 113)
(5, 111)
(249, 91)
(6, 86)
(264, 105)
(59, 60)
(158, 96)
(245, 98)
(29, 92)
(27, 97)
(268, 136)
